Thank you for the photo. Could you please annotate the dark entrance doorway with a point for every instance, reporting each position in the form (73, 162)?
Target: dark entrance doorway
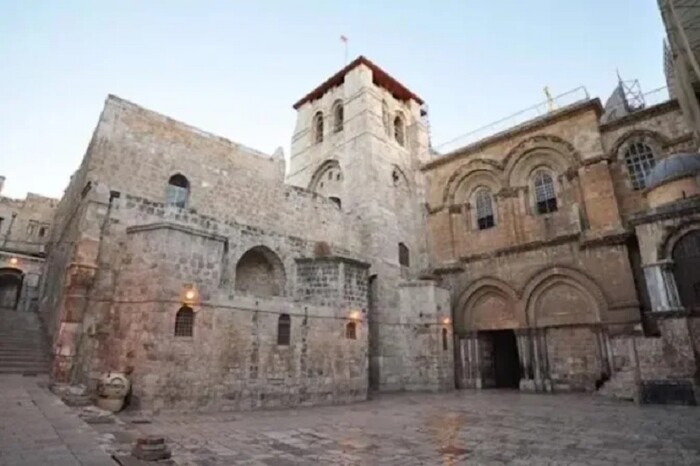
(505, 359)
(686, 260)
(10, 287)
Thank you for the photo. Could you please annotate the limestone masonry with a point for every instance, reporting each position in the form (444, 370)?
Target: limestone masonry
(560, 255)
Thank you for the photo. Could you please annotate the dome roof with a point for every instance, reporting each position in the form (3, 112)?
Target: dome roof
(673, 167)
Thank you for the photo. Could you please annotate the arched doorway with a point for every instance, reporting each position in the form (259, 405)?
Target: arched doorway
(686, 269)
(10, 287)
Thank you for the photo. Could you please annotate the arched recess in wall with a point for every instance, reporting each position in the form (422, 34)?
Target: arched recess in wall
(538, 151)
(488, 304)
(11, 280)
(328, 181)
(562, 296)
(684, 249)
(260, 272)
(483, 171)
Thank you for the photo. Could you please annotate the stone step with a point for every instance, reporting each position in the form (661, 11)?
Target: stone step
(24, 370)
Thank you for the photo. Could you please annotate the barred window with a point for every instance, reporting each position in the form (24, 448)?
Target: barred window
(178, 191)
(545, 196)
(318, 127)
(351, 331)
(639, 159)
(284, 327)
(484, 209)
(184, 322)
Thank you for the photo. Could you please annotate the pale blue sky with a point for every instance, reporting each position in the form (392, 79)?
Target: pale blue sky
(234, 68)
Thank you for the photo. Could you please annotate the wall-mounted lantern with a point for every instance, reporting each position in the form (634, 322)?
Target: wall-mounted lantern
(189, 294)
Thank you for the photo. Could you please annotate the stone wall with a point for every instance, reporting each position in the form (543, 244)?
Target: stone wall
(26, 223)
(662, 127)
(31, 269)
(377, 179)
(567, 144)
(148, 253)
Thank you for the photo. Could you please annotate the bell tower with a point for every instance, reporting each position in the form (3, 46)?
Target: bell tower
(360, 138)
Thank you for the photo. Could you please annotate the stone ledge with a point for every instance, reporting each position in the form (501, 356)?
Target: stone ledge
(175, 227)
(336, 259)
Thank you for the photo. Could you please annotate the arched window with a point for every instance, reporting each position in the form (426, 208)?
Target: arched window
(686, 269)
(399, 130)
(484, 209)
(404, 255)
(444, 339)
(545, 196)
(639, 159)
(184, 322)
(386, 120)
(284, 327)
(178, 191)
(337, 116)
(318, 127)
(351, 331)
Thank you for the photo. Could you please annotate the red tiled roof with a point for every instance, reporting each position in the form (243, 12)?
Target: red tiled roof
(379, 77)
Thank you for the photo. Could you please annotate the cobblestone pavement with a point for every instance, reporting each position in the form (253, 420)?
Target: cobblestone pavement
(37, 429)
(467, 427)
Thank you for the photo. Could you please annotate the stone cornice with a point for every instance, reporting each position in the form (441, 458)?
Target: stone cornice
(609, 239)
(676, 209)
(521, 248)
(664, 107)
(175, 227)
(337, 259)
(532, 125)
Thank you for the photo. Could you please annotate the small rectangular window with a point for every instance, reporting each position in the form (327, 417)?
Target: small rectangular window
(351, 331)
(284, 330)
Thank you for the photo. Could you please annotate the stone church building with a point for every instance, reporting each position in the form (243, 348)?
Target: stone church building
(560, 254)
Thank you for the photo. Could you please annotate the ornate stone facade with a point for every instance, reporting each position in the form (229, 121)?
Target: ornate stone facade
(217, 276)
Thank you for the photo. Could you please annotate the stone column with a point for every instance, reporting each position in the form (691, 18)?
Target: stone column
(661, 285)
(478, 382)
(524, 346)
(605, 363)
(461, 362)
(542, 381)
(537, 360)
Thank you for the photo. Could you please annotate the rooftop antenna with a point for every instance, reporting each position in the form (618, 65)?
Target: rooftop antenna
(344, 40)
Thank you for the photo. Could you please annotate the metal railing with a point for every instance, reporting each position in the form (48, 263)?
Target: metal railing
(574, 96)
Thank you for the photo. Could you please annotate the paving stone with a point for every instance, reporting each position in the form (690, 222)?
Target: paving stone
(36, 429)
(489, 427)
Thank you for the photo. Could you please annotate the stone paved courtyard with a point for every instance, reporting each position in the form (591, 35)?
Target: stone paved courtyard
(491, 427)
